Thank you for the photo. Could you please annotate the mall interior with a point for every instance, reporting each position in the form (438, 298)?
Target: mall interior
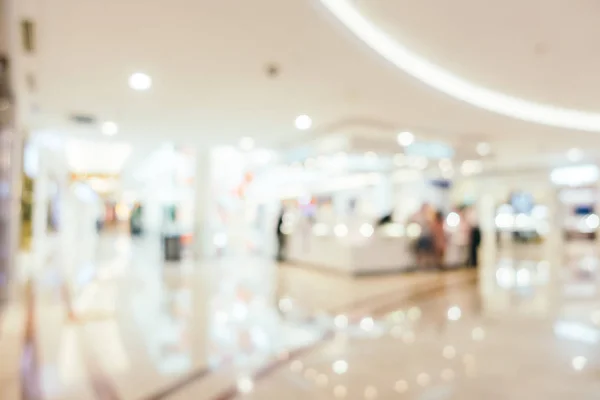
(299, 199)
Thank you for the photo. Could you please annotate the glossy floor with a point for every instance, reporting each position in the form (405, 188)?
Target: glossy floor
(122, 325)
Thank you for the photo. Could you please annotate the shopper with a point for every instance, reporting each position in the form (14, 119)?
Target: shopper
(281, 237)
(474, 240)
(439, 239)
(424, 246)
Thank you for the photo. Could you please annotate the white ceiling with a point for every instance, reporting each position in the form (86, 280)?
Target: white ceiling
(208, 59)
(541, 50)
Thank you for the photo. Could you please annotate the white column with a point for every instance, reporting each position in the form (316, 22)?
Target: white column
(486, 213)
(40, 210)
(202, 182)
(554, 242)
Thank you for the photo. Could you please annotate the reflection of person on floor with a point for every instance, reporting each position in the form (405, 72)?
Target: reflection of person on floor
(424, 246)
(281, 237)
(474, 241)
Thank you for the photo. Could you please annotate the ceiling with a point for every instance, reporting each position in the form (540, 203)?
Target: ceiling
(208, 61)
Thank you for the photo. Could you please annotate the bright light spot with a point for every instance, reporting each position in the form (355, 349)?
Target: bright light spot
(367, 323)
(454, 313)
(575, 155)
(340, 391)
(246, 143)
(449, 352)
(245, 385)
(506, 277)
(240, 311)
(320, 229)
(340, 230)
(297, 366)
(370, 393)
(423, 379)
(367, 230)
(340, 367)
(523, 277)
(220, 240)
(397, 316)
(522, 221)
(414, 313)
(483, 149)
(401, 386)
(577, 175)
(405, 139)
(341, 322)
(539, 211)
(471, 167)
(453, 220)
(303, 122)
(286, 304)
(393, 230)
(478, 334)
(413, 230)
(505, 221)
(110, 128)
(579, 363)
(140, 81)
(592, 221)
(576, 331)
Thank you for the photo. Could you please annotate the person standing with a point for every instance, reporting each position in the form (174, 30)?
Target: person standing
(474, 241)
(439, 239)
(281, 237)
(424, 246)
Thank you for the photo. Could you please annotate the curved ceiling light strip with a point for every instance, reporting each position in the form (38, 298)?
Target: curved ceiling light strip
(453, 85)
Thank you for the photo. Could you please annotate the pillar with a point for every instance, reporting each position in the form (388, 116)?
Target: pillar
(486, 214)
(41, 201)
(202, 196)
(554, 241)
(8, 185)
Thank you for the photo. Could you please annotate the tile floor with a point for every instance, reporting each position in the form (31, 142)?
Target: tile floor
(120, 324)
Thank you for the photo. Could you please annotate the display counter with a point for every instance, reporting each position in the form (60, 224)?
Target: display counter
(363, 250)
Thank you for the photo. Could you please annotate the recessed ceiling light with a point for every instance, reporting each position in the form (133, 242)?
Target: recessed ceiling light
(140, 81)
(483, 149)
(246, 143)
(110, 128)
(575, 155)
(405, 138)
(303, 122)
(471, 167)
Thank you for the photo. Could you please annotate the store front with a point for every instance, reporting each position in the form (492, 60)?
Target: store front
(346, 208)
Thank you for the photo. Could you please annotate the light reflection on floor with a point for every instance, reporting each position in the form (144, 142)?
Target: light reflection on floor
(521, 328)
